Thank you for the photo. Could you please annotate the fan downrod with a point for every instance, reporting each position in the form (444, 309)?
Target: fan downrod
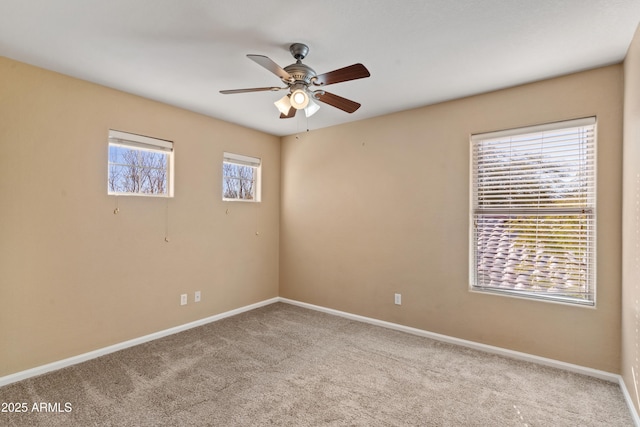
(299, 51)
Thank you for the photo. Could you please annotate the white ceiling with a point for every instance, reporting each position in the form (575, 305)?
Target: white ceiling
(419, 52)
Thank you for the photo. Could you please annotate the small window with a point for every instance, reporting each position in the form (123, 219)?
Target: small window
(140, 165)
(533, 209)
(240, 178)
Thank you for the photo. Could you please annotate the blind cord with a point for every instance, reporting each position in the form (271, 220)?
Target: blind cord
(166, 221)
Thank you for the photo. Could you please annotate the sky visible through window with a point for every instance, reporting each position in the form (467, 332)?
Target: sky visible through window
(137, 171)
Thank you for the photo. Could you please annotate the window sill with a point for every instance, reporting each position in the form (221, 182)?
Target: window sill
(533, 297)
(241, 200)
(155, 196)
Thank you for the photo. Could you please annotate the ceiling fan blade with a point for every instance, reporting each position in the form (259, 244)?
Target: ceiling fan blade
(290, 114)
(352, 72)
(267, 63)
(337, 101)
(253, 89)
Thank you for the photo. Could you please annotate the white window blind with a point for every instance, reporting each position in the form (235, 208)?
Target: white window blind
(533, 211)
(240, 159)
(139, 141)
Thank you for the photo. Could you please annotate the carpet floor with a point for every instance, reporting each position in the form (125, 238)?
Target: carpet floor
(283, 365)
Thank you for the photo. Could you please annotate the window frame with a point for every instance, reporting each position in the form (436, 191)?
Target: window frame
(586, 178)
(246, 161)
(141, 143)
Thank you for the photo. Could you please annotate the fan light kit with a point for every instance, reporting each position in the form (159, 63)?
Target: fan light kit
(299, 99)
(298, 79)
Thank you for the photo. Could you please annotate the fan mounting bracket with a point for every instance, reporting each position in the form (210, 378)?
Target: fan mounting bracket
(299, 51)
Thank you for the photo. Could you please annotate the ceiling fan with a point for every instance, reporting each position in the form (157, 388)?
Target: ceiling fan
(299, 79)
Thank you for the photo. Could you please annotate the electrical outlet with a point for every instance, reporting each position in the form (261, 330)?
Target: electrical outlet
(183, 299)
(398, 299)
(196, 298)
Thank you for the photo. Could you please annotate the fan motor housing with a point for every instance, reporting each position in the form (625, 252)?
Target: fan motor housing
(301, 72)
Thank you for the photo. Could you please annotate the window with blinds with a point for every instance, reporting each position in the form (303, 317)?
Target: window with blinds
(241, 177)
(533, 211)
(139, 165)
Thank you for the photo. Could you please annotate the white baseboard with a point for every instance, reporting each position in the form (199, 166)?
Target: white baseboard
(629, 400)
(19, 376)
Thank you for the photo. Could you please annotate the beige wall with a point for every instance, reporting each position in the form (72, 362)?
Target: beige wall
(381, 206)
(350, 215)
(631, 222)
(74, 277)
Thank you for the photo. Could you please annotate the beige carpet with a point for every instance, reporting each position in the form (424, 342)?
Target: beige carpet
(283, 365)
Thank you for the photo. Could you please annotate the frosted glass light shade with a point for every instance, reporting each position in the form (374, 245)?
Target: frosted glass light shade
(299, 99)
(312, 108)
(283, 104)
